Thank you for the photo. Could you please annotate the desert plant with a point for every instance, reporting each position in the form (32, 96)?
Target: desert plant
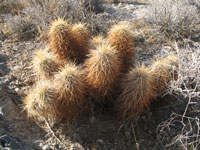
(102, 69)
(60, 34)
(175, 18)
(69, 42)
(120, 37)
(181, 130)
(69, 83)
(81, 37)
(45, 64)
(95, 41)
(164, 71)
(19, 28)
(137, 92)
(40, 102)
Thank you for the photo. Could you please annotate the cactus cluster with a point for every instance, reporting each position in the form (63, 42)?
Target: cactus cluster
(75, 66)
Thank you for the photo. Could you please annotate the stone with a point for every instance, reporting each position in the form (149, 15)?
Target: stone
(77, 146)
(3, 69)
(2, 92)
(10, 143)
(8, 109)
(2, 58)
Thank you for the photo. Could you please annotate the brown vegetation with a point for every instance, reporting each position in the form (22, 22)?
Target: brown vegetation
(164, 71)
(40, 102)
(120, 37)
(71, 102)
(45, 64)
(137, 93)
(102, 69)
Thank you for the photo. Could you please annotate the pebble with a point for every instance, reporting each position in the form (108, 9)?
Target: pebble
(3, 69)
(8, 109)
(2, 58)
(77, 146)
(10, 143)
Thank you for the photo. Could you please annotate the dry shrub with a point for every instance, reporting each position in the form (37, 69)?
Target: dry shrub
(45, 64)
(11, 6)
(164, 71)
(40, 102)
(43, 12)
(18, 28)
(71, 102)
(102, 70)
(137, 93)
(175, 18)
(181, 130)
(120, 37)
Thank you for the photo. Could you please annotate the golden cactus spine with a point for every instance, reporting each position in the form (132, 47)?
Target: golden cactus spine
(68, 41)
(102, 69)
(40, 102)
(120, 37)
(45, 64)
(137, 93)
(164, 71)
(96, 40)
(60, 40)
(71, 91)
(81, 38)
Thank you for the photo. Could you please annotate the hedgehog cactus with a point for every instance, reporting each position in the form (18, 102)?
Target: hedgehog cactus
(62, 86)
(69, 42)
(59, 39)
(40, 102)
(45, 64)
(120, 37)
(164, 71)
(81, 38)
(102, 69)
(137, 92)
(96, 40)
(71, 92)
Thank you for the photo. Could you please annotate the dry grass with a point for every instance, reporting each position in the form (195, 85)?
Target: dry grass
(137, 93)
(45, 64)
(102, 69)
(71, 90)
(176, 19)
(120, 37)
(164, 71)
(181, 130)
(17, 28)
(40, 102)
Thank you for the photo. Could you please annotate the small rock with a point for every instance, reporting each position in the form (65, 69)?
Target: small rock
(2, 92)
(8, 109)
(1, 117)
(3, 69)
(100, 141)
(10, 143)
(2, 58)
(17, 90)
(76, 146)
